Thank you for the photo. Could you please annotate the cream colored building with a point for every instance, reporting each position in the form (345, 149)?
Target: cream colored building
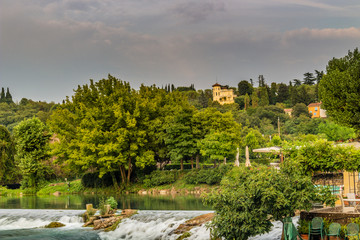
(223, 94)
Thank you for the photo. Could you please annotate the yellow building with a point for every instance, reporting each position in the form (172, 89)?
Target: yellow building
(316, 111)
(223, 94)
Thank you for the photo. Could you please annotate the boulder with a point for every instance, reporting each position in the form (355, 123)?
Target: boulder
(54, 225)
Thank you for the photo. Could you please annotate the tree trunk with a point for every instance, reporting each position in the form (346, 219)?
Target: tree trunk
(181, 164)
(214, 163)
(225, 161)
(192, 162)
(123, 176)
(116, 185)
(197, 161)
(129, 171)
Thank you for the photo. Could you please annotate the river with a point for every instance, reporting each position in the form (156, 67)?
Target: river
(23, 218)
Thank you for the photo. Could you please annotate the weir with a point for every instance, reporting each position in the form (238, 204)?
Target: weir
(147, 224)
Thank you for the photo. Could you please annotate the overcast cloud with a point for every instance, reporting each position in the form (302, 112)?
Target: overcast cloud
(47, 48)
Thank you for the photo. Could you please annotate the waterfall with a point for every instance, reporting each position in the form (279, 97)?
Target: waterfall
(147, 224)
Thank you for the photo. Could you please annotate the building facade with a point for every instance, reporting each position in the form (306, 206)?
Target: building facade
(316, 111)
(223, 94)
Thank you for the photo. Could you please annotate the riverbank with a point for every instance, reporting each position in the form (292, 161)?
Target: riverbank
(62, 188)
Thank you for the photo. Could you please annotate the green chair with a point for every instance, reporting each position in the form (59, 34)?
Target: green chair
(316, 227)
(352, 230)
(334, 230)
(290, 231)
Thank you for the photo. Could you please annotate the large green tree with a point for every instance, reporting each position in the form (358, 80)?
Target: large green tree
(251, 198)
(8, 172)
(32, 147)
(107, 126)
(340, 89)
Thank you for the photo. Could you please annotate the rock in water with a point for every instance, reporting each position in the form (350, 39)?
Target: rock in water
(54, 225)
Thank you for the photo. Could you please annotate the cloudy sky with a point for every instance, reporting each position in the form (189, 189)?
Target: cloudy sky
(48, 47)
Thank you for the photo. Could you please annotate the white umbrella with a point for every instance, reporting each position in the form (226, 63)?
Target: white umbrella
(247, 162)
(237, 163)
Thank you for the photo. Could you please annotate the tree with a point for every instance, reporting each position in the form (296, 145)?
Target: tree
(179, 136)
(220, 145)
(282, 93)
(8, 172)
(244, 87)
(8, 97)
(300, 109)
(297, 82)
(263, 96)
(32, 145)
(340, 89)
(273, 93)
(309, 78)
(250, 199)
(105, 127)
(2, 95)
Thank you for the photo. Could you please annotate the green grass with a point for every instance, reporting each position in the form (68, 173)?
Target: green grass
(75, 187)
(16, 192)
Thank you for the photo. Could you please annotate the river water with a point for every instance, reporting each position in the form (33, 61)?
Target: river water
(19, 222)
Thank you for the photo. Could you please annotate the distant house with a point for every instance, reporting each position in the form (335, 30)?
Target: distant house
(316, 111)
(288, 111)
(223, 94)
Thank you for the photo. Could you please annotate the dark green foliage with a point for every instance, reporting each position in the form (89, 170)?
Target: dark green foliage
(300, 109)
(177, 166)
(208, 176)
(92, 180)
(160, 177)
(250, 198)
(244, 87)
(340, 89)
(309, 78)
(8, 169)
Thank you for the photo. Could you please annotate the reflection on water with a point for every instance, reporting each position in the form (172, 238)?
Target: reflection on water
(133, 201)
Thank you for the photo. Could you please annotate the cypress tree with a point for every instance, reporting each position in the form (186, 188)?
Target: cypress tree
(8, 97)
(2, 96)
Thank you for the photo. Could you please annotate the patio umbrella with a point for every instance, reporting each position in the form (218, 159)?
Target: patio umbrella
(237, 163)
(247, 163)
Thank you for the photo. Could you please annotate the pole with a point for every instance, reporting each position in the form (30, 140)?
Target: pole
(279, 126)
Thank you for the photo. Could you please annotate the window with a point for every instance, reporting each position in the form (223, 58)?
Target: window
(315, 108)
(314, 114)
(310, 111)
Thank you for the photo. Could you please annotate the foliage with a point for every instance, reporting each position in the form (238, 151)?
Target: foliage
(335, 132)
(209, 176)
(244, 87)
(32, 142)
(109, 126)
(249, 196)
(323, 156)
(75, 187)
(303, 226)
(92, 180)
(8, 168)
(300, 109)
(339, 89)
(112, 202)
(160, 177)
(101, 206)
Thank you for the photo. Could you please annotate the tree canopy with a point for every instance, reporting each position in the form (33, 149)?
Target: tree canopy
(340, 89)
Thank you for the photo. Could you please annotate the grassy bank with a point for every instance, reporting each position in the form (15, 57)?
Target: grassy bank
(174, 181)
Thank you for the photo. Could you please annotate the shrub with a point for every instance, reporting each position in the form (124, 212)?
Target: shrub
(209, 176)
(112, 202)
(160, 177)
(92, 180)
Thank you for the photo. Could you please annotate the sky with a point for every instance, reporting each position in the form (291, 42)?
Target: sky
(49, 47)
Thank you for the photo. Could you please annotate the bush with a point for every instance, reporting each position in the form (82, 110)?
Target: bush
(112, 202)
(209, 176)
(160, 177)
(92, 180)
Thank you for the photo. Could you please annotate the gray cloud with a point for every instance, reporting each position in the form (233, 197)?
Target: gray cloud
(197, 11)
(47, 48)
